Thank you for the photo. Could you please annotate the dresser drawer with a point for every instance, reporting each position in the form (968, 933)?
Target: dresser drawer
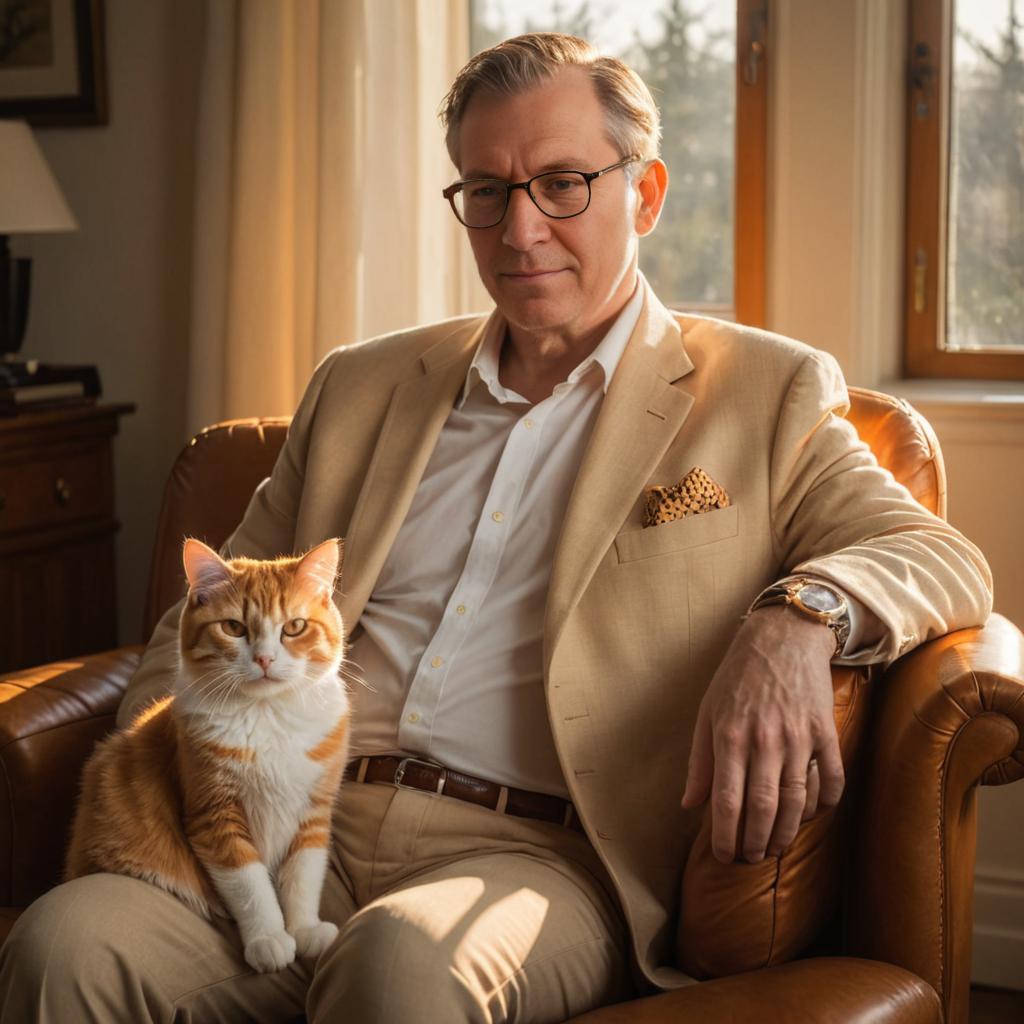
(60, 489)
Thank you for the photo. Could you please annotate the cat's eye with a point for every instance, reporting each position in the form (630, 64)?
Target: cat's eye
(295, 627)
(233, 627)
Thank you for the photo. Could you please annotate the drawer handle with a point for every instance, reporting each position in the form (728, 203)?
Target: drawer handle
(62, 491)
(3, 501)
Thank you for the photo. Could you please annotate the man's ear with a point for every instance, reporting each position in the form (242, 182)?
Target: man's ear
(652, 188)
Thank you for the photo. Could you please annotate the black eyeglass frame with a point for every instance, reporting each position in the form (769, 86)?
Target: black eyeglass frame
(588, 176)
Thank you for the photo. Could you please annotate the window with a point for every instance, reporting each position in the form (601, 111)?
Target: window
(704, 63)
(964, 257)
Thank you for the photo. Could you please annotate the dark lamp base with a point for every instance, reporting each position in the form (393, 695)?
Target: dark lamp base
(15, 283)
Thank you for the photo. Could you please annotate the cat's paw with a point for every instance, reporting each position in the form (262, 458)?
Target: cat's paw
(313, 939)
(268, 953)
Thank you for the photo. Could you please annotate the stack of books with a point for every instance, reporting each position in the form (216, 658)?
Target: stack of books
(30, 384)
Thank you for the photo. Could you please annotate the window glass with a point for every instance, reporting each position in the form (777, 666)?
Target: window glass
(985, 289)
(685, 52)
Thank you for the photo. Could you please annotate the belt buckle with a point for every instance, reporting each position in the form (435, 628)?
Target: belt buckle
(400, 772)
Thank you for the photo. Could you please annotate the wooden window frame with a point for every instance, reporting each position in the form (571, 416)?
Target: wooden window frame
(929, 63)
(751, 156)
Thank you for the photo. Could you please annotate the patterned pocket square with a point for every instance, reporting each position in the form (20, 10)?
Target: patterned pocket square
(694, 494)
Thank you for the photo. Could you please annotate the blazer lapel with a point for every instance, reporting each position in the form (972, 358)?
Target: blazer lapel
(641, 414)
(417, 412)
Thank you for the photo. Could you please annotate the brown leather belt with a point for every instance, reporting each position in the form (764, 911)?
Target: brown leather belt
(435, 778)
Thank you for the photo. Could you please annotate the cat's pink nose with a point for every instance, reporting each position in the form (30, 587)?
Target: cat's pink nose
(264, 660)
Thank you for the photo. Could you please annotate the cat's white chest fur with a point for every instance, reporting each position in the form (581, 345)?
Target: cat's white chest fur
(276, 782)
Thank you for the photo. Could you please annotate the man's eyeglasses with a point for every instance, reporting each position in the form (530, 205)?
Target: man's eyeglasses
(482, 202)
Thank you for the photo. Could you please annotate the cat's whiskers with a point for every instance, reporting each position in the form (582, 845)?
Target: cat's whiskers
(319, 693)
(345, 673)
(203, 686)
(194, 680)
(211, 686)
(234, 684)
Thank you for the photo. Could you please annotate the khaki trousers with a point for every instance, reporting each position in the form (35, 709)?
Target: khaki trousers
(448, 913)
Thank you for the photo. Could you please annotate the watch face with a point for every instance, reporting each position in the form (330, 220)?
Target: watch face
(819, 598)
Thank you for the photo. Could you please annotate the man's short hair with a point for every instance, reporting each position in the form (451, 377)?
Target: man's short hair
(516, 65)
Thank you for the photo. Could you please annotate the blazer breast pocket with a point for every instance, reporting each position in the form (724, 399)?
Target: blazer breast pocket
(688, 532)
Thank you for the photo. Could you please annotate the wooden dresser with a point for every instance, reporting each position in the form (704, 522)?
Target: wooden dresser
(57, 581)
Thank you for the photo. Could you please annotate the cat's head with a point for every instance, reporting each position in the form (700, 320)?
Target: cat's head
(260, 626)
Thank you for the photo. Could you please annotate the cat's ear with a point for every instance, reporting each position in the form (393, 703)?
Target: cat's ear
(204, 568)
(316, 574)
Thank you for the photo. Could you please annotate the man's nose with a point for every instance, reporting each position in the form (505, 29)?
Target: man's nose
(524, 225)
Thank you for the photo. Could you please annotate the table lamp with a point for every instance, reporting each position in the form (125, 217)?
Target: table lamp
(30, 201)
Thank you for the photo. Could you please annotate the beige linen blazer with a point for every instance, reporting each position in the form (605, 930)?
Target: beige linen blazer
(636, 619)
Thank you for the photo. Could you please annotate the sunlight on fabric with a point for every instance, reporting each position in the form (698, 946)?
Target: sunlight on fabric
(439, 907)
(518, 918)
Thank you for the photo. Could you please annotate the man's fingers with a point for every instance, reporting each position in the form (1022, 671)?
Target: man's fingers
(798, 787)
(813, 789)
(765, 800)
(830, 770)
(700, 770)
(727, 792)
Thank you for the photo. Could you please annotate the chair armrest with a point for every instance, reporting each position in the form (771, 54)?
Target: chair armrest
(950, 715)
(810, 991)
(740, 917)
(50, 719)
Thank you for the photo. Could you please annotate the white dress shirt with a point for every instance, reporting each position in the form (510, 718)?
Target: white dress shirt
(447, 661)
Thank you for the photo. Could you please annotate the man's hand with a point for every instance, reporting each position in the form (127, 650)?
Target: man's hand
(765, 746)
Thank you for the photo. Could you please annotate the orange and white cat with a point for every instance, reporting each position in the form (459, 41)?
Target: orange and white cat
(222, 792)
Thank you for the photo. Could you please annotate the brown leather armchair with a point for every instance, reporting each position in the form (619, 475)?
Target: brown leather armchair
(867, 916)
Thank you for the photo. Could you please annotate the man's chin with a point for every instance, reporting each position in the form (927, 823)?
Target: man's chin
(536, 313)
(536, 321)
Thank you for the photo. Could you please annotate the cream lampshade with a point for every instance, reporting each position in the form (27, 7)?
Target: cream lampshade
(30, 201)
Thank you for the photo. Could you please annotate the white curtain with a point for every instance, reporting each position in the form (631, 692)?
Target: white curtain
(318, 216)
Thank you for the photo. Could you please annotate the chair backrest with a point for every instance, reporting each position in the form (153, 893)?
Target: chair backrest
(903, 442)
(215, 475)
(206, 496)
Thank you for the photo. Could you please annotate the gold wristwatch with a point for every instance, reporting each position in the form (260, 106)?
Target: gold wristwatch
(813, 599)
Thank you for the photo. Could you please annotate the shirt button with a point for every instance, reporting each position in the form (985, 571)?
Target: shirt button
(414, 717)
(528, 424)
(437, 662)
(497, 516)
(460, 609)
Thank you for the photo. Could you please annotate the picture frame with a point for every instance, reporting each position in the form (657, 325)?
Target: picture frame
(53, 70)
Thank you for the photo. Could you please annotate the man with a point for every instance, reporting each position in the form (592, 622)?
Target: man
(517, 622)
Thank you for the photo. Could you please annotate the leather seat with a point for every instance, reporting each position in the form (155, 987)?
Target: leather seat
(867, 916)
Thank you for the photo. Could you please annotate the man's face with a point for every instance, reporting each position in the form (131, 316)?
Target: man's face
(544, 274)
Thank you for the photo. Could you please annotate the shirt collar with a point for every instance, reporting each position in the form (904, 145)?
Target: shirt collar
(607, 354)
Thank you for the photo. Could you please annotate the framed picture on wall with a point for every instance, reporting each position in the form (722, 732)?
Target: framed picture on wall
(52, 62)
